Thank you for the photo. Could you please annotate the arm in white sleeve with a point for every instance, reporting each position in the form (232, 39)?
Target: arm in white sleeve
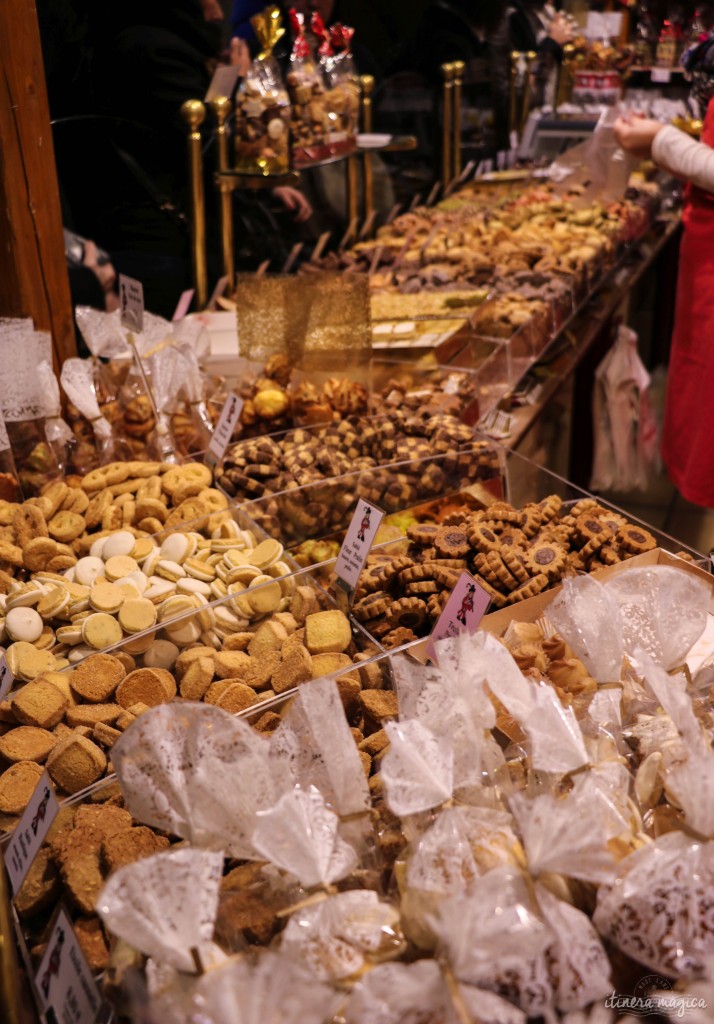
(684, 157)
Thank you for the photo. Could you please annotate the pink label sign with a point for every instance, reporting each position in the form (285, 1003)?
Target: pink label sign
(462, 612)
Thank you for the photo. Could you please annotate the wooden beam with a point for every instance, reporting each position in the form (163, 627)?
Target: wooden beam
(33, 269)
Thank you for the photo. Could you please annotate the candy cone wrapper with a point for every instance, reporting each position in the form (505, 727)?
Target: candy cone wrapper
(315, 745)
(343, 934)
(178, 766)
(300, 834)
(165, 905)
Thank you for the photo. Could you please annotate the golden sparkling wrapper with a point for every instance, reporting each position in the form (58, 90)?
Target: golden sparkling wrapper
(319, 321)
(268, 29)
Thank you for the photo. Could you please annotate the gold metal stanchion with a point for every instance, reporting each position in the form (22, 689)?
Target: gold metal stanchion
(531, 57)
(193, 112)
(221, 107)
(565, 74)
(459, 67)
(513, 94)
(351, 172)
(447, 71)
(367, 84)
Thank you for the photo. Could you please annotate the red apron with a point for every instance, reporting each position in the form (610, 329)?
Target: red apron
(688, 433)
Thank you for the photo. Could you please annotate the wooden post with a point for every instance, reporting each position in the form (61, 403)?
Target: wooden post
(33, 270)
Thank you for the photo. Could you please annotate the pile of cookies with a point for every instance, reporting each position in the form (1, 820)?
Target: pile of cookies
(91, 840)
(514, 554)
(69, 720)
(301, 468)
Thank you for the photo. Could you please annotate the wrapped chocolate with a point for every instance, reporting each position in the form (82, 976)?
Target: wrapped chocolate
(22, 405)
(300, 834)
(569, 835)
(517, 939)
(268, 989)
(343, 935)
(315, 744)
(78, 383)
(461, 844)
(165, 906)
(342, 95)
(659, 910)
(311, 119)
(418, 993)
(58, 433)
(555, 738)
(177, 768)
(262, 115)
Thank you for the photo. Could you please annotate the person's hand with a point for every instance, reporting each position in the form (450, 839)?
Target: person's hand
(561, 30)
(105, 274)
(636, 136)
(295, 201)
(239, 56)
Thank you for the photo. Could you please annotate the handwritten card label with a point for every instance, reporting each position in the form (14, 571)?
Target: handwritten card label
(661, 75)
(131, 303)
(223, 83)
(358, 542)
(462, 612)
(183, 304)
(30, 831)
(68, 992)
(227, 423)
(6, 677)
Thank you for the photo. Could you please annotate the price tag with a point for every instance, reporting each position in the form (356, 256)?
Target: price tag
(30, 831)
(292, 257)
(465, 174)
(228, 420)
(393, 212)
(262, 269)
(320, 245)
(431, 198)
(68, 992)
(182, 307)
(462, 612)
(131, 303)
(661, 75)
(218, 291)
(357, 543)
(223, 83)
(6, 677)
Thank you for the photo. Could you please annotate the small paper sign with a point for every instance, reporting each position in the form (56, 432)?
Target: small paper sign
(462, 612)
(30, 832)
(320, 245)
(183, 305)
(6, 677)
(223, 83)
(67, 991)
(262, 269)
(358, 542)
(661, 75)
(431, 198)
(292, 257)
(393, 212)
(230, 414)
(218, 291)
(131, 303)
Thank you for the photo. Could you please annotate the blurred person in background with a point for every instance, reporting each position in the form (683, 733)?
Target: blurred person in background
(688, 429)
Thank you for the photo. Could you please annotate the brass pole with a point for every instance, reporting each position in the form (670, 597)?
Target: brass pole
(367, 84)
(459, 68)
(193, 112)
(531, 57)
(351, 172)
(447, 71)
(221, 107)
(513, 94)
(565, 75)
